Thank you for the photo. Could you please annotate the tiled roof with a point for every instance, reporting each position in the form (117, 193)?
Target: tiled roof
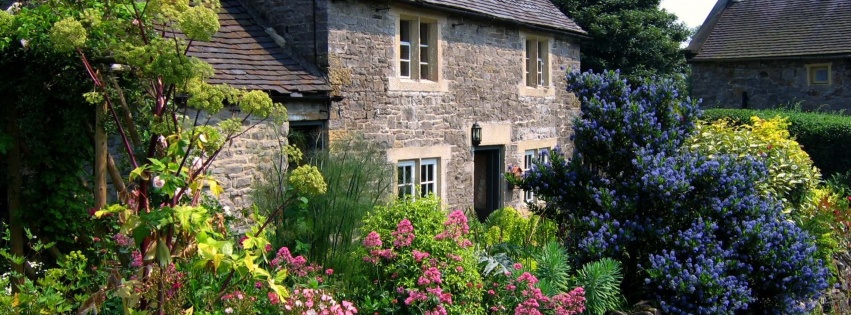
(534, 12)
(778, 28)
(245, 56)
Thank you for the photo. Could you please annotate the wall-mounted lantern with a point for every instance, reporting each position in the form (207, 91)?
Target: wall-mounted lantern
(476, 134)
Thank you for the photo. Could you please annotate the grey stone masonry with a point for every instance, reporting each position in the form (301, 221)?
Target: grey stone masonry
(480, 78)
(771, 83)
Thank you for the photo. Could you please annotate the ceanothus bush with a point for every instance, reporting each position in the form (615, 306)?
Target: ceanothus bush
(690, 228)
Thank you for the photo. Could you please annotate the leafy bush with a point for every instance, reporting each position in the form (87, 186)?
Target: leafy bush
(553, 269)
(601, 280)
(791, 174)
(692, 231)
(326, 228)
(820, 134)
(415, 259)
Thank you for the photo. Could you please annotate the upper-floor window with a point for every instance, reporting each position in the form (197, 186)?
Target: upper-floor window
(537, 62)
(818, 74)
(417, 177)
(417, 48)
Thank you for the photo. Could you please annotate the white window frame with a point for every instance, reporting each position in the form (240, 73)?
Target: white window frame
(416, 44)
(419, 180)
(812, 70)
(537, 53)
(401, 185)
(530, 157)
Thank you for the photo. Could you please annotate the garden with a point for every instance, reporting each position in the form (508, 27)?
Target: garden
(659, 208)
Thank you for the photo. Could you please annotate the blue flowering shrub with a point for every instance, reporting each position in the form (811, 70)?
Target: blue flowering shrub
(691, 229)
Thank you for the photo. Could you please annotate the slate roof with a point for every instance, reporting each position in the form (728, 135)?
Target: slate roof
(542, 13)
(245, 56)
(767, 29)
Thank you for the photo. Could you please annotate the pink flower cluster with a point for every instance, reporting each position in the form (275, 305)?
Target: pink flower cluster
(569, 303)
(456, 229)
(531, 301)
(297, 266)
(137, 259)
(311, 301)
(122, 240)
(431, 275)
(376, 253)
(404, 234)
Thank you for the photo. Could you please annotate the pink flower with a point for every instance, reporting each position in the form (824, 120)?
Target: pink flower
(372, 240)
(273, 298)
(137, 259)
(158, 182)
(518, 266)
(404, 234)
(329, 271)
(268, 248)
(459, 269)
(419, 256)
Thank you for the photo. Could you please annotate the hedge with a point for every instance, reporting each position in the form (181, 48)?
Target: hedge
(825, 137)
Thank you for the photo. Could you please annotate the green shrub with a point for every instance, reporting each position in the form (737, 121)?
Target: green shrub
(821, 135)
(408, 244)
(601, 280)
(791, 174)
(325, 229)
(552, 270)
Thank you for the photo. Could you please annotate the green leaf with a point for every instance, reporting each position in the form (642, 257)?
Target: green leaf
(163, 253)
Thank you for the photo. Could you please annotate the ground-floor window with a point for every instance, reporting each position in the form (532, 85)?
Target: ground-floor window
(530, 157)
(417, 177)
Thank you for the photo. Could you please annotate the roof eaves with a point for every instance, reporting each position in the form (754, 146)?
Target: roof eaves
(536, 27)
(776, 57)
(706, 28)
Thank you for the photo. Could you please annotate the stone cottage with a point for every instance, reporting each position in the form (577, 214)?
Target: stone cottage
(416, 76)
(765, 53)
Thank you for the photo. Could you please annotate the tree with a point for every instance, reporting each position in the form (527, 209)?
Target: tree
(693, 230)
(130, 57)
(634, 36)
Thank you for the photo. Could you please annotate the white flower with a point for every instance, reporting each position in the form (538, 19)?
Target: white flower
(197, 162)
(158, 182)
(229, 310)
(310, 312)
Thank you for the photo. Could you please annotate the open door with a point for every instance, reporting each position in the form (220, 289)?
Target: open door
(487, 180)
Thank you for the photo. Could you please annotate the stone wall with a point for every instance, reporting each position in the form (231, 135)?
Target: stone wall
(295, 21)
(242, 162)
(481, 68)
(770, 84)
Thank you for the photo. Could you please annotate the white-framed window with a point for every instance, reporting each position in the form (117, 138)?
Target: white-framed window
(405, 178)
(537, 56)
(819, 74)
(418, 177)
(417, 37)
(530, 157)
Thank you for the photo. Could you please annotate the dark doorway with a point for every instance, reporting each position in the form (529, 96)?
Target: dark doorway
(487, 180)
(308, 136)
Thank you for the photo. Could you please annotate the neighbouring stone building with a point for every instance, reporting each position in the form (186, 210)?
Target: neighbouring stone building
(414, 77)
(766, 53)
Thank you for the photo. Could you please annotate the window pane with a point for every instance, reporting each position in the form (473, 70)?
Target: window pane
(428, 176)
(821, 75)
(424, 29)
(530, 64)
(424, 73)
(405, 178)
(405, 31)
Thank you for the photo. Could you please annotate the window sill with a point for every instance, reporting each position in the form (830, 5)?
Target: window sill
(536, 91)
(403, 84)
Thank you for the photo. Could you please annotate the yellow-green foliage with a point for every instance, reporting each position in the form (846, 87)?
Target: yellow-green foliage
(307, 180)
(791, 171)
(68, 34)
(509, 226)
(199, 23)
